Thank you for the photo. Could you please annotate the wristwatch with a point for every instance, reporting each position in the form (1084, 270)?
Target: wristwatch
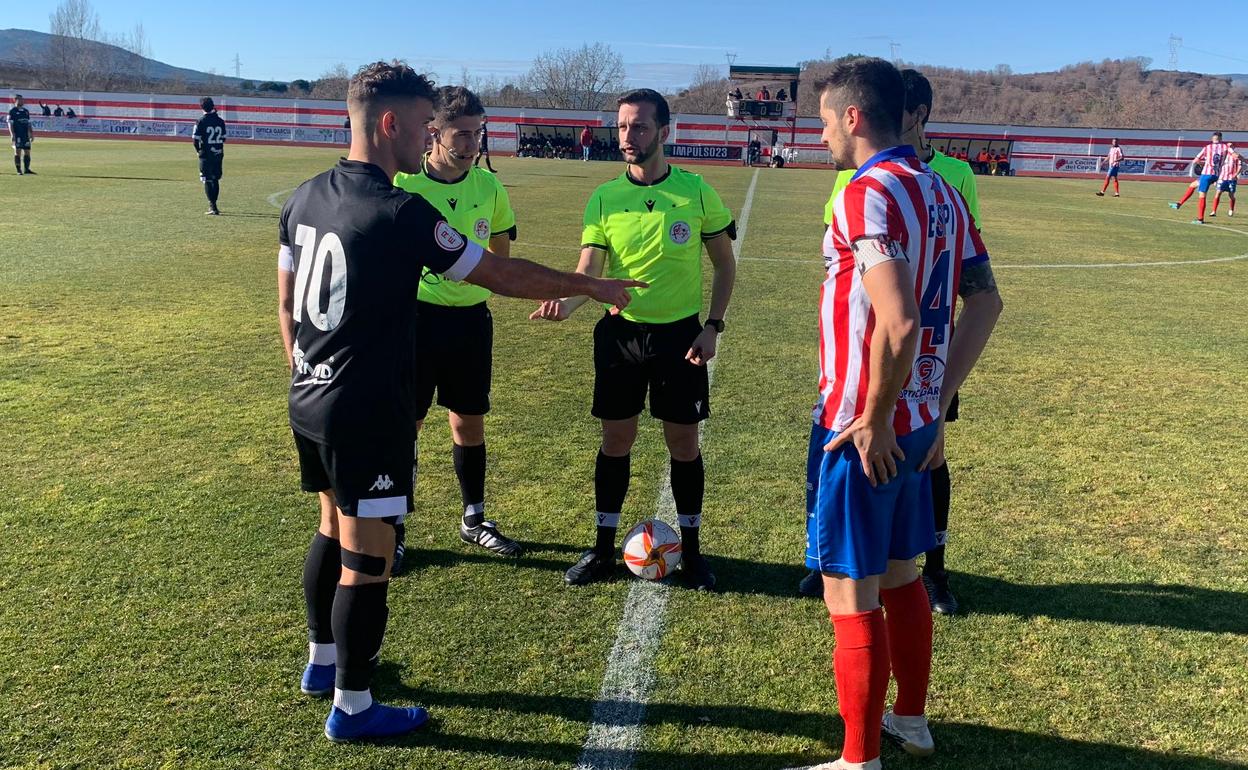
(715, 323)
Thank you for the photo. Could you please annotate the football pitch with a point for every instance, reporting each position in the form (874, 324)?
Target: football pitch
(154, 532)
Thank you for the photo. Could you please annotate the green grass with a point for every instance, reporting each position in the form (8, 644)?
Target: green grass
(154, 531)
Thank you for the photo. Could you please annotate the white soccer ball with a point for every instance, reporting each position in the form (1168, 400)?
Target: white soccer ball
(652, 550)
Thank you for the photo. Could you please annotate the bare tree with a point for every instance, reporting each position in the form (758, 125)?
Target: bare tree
(333, 83)
(706, 95)
(75, 27)
(577, 78)
(137, 43)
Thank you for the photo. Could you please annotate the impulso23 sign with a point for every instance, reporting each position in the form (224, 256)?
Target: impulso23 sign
(702, 151)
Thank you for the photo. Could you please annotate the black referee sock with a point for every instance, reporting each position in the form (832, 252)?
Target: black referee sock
(611, 476)
(27, 162)
(359, 622)
(470, 468)
(688, 487)
(935, 562)
(321, 570)
(17, 163)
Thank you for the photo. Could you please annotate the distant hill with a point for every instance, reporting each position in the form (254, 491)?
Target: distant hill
(28, 50)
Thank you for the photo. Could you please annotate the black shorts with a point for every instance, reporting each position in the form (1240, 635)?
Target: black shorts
(631, 358)
(21, 142)
(455, 357)
(952, 414)
(371, 480)
(210, 167)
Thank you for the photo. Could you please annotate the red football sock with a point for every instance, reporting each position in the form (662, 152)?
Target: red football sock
(908, 617)
(1200, 211)
(861, 665)
(1186, 195)
(1105, 185)
(1115, 185)
(1216, 200)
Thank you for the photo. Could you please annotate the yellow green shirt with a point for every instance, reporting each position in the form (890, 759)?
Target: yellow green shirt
(654, 233)
(956, 172)
(476, 205)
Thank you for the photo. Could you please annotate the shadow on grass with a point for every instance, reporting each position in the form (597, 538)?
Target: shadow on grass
(120, 178)
(1161, 605)
(962, 746)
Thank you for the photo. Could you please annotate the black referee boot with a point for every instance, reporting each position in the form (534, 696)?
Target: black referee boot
(938, 593)
(592, 567)
(811, 585)
(696, 573)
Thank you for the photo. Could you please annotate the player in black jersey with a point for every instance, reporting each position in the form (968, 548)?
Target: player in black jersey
(209, 139)
(22, 134)
(356, 246)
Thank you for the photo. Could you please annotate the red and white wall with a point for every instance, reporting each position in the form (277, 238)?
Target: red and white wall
(1040, 151)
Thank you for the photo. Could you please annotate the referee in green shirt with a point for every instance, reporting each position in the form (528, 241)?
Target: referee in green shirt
(958, 174)
(650, 224)
(455, 328)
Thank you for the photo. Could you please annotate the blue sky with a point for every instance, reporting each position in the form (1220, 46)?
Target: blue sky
(661, 45)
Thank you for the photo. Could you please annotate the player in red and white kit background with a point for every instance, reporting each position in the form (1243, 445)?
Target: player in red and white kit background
(902, 242)
(1112, 161)
(1228, 180)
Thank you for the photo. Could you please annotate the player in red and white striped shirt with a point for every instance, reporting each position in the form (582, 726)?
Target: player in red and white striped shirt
(1210, 160)
(1228, 180)
(1112, 161)
(902, 242)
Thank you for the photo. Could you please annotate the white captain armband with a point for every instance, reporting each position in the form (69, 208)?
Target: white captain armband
(876, 250)
(467, 262)
(285, 259)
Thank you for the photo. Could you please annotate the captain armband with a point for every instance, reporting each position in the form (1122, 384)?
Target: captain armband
(875, 250)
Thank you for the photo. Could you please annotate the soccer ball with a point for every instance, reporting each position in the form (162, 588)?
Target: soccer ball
(652, 550)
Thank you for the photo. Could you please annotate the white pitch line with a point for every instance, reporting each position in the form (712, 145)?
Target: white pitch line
(615, 724)
(272, 199)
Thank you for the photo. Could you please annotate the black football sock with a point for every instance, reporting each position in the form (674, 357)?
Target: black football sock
(470, 468)
(17, 163)
(27, 159)
(611, 475)
(935, 561)
(359, 623)
(214, 191)
(321, 570)
(688, 486)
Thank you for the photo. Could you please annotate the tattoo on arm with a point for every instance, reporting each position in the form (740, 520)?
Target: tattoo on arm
(977, 279)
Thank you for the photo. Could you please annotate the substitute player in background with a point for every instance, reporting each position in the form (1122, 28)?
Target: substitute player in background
(651, 223)
(961, 177)
(358, 247)
(902, 242)
(1112, 161)
(456, 329)
(1210, 160)
(209, 141)
(22, 134)
(1228, 180)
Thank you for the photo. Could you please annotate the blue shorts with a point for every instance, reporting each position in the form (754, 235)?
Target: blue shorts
(1207, 181)
(1113, 171)
(853, 528)
(1228, 186)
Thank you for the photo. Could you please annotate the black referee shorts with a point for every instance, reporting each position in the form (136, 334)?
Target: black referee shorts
(455, 358)
(210, 167)
(371, 480)
(21, 142)
(632, 358)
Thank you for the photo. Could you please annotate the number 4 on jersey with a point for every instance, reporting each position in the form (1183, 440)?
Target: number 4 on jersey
(934, 307)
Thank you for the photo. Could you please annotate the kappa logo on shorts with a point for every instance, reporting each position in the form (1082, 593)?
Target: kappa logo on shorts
(447, 238)
(382, 484)
(482, 228)
(680, 233)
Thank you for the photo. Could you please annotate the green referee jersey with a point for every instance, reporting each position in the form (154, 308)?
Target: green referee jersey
(476, 205)
(956, 172)
(654, 233)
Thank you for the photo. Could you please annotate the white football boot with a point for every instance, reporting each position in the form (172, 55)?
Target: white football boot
(910, 733)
